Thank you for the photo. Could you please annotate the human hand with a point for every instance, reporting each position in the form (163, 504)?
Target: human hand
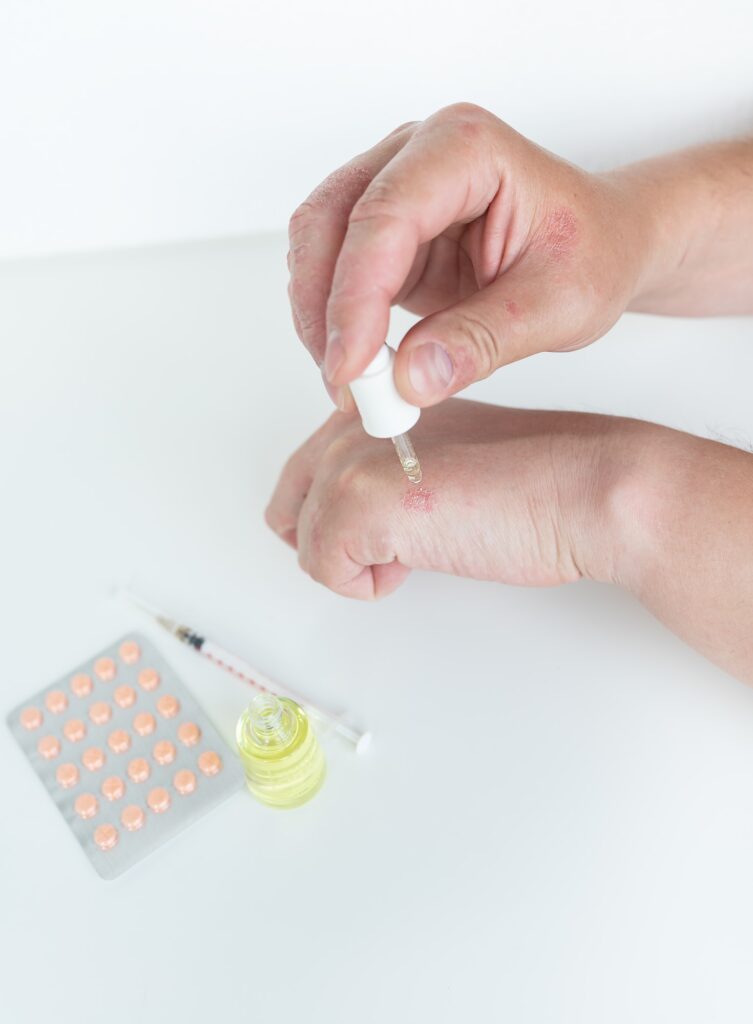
(504, 250)
(508, 495)
(534, 498)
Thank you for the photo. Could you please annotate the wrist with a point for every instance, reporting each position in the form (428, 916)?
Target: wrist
(645, 476)
(658, 239)
(596, 466)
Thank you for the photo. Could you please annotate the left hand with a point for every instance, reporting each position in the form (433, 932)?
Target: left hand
(535, 498)
(509, 495)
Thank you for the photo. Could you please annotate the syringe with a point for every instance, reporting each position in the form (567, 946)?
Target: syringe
(230, 662)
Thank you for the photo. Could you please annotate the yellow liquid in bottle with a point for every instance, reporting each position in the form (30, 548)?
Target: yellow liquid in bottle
(281, 755)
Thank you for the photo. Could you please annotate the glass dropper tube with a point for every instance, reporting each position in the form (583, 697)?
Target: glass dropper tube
(408, 458)
(384, 411)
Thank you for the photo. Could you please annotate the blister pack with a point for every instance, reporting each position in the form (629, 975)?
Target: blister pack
(126, 752)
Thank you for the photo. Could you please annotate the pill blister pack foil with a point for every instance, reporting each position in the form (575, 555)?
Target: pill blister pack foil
(126, 752)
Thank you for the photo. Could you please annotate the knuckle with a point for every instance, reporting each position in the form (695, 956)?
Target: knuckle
(404, 127)
(577, 303)
(338, 452)
(311, 320)
(465, 111)
(378, 202)
(290, 474)
(482, 344)
(300, 221)
(346, 487)
(290, 465)
(468, 119)
(383, 544)
(587, 292)
(316, 563)
(309, 317)
(346, 498)
(271, 517)
(303, 562)
(296, 292)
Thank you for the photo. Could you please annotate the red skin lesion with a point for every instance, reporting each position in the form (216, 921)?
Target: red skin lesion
(418, 499)
(559, 234)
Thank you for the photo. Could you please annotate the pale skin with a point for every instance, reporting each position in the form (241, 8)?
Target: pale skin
(505, 251)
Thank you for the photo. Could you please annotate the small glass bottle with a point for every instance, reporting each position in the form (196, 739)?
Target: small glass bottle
(283, 761)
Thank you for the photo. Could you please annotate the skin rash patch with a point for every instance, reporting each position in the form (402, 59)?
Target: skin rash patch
(341, 189)
(418, 499)
(560, 233)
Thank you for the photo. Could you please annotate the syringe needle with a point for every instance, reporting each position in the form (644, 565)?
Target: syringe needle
(408, 458)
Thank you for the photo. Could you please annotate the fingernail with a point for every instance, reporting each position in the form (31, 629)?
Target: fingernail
(429, 369)
(334, 356)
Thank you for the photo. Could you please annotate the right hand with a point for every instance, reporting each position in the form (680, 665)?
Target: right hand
(504, 250)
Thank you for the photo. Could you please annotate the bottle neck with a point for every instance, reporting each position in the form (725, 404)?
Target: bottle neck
(270, 722)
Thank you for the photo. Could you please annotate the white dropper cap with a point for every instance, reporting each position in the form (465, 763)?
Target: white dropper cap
(384, 411)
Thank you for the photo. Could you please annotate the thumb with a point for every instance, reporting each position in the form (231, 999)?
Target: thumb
(514, 317)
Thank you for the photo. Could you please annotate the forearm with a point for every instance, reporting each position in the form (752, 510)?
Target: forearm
(681, 521)
(696, 208)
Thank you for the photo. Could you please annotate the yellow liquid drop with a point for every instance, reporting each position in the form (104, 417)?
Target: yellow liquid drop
(283, 761)
(412, 470)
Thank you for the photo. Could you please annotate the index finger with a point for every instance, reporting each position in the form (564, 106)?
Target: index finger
(444, 175)
(316, 232)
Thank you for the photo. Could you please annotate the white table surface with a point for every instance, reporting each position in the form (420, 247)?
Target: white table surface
(555, 820)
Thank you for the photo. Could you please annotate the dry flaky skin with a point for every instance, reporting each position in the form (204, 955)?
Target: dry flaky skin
(534, 498)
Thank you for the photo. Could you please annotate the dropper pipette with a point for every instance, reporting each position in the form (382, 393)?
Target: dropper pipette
(238, 667)
(408, 458)
(384, 411)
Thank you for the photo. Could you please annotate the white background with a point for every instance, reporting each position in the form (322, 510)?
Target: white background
(555, 822)
(131, 121)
